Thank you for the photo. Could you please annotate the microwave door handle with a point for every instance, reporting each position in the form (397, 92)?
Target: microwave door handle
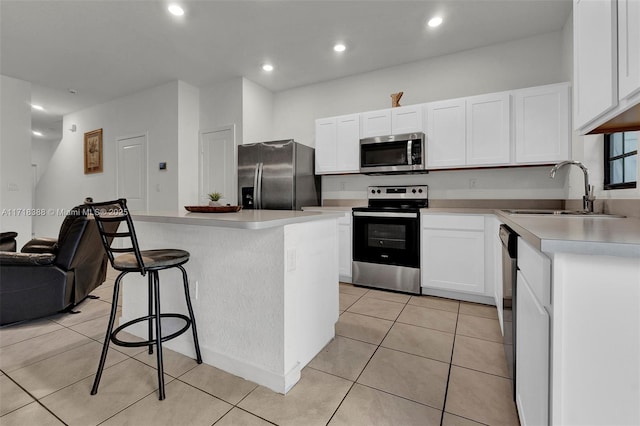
(409, 158)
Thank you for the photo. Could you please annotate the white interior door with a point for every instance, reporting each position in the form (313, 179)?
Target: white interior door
(132, 171)
(218, 164)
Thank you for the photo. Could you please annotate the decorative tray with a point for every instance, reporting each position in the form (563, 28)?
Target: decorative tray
(210, 209)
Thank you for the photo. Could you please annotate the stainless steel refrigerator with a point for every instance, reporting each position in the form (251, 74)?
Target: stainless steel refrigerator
(277, 175)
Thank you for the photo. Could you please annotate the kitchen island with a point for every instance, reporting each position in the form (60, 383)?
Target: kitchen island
(264, 287)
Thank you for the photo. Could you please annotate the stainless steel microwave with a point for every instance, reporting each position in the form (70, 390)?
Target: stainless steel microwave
(393, 154)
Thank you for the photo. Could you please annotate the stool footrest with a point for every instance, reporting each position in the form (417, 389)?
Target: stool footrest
(119, 342)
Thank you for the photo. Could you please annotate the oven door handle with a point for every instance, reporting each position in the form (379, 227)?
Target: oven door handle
(385, 214)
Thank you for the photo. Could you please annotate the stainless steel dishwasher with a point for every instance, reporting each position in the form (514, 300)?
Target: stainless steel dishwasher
(509, 270)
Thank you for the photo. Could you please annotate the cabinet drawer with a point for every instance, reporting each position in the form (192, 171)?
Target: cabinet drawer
(464, 222)
(536, 268)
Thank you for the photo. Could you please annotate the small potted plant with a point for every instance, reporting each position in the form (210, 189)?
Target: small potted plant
(215, 199)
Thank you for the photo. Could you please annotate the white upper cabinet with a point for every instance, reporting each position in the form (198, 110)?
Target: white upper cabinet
(489, 129)
(326, 145)
(338, 144)
(628, 48)
(595, 53)
(469, 131)
(542, 130)
(446, 133)
(375, 123)
(407, 119)
(392, 121)
(606, 61)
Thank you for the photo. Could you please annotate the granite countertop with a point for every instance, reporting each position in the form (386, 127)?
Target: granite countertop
(244, 219)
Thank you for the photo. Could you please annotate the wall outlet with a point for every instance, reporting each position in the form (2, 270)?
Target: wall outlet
(473, 183)
(193, 289)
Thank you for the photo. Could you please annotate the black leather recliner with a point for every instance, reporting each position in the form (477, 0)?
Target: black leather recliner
(8, 241)
(50, 275)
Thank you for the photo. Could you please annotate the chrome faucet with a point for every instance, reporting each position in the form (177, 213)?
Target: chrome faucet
(587, 198)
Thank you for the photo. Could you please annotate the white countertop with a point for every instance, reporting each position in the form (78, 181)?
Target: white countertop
(580, 235)
(244, 219)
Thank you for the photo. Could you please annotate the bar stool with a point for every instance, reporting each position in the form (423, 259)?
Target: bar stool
(108, 216)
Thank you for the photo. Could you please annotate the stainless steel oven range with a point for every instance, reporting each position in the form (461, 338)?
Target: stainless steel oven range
(386, 238)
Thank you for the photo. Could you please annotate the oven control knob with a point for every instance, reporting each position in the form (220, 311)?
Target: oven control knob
(379, 191)
(373, 191)
(414, 190)
(420, 190)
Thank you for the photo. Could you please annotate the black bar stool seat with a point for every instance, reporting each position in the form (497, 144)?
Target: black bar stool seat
(153, 259)
(108, 216)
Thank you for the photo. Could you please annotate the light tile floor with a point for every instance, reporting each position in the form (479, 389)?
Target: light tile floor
(396, 360)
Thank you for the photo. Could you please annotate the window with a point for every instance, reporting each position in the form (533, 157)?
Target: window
(620, 160)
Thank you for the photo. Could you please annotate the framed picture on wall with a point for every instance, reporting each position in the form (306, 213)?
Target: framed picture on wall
(93, 152)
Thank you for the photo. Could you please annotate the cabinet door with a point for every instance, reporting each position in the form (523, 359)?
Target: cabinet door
(446, 134)
(348, 143)
(325, 145)
(595, 59)
(488, 129)
(628, 48)
(344, 249)
(542, 124)
(375, 123)
(407, 119)
(532, 356)
(453, 260)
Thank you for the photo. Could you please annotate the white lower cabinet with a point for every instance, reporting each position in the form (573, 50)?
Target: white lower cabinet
(532, 336)
(532, 355)
(454, 259)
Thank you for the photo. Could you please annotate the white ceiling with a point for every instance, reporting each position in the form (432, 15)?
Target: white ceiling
(105, 49)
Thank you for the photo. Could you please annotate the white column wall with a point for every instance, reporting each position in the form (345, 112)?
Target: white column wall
(15, 158)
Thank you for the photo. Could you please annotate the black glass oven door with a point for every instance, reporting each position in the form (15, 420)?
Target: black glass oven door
(386, 238)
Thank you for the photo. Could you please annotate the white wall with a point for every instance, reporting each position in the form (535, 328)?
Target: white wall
(15, 157)
(64, 184)
(221, 105)
(188, 131)
(257, 113)
(521, 183)
(41, 153)
(516, 64)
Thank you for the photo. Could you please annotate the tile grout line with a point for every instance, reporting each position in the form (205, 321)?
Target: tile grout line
(365, 366)
(36, 400)
(446, 390)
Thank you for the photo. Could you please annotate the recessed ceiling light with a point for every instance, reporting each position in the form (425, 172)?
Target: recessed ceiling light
(435, 21)
(267, 67)
(38, 107)
(36, 133)
(339, 47)
(176, 10)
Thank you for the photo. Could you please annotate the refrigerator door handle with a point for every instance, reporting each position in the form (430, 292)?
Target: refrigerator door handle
(255, 186)
(259, 188)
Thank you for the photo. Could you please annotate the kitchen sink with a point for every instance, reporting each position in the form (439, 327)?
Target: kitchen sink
(561, 213)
